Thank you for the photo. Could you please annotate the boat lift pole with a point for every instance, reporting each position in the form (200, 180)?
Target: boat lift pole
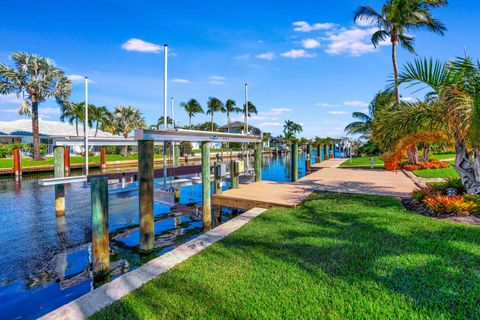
(246, 124)
(165, 77)
(85, 126)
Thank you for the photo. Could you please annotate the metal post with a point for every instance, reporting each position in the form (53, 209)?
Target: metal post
(294, 161)
(165, 81)
(85, 126)
(59, 172)
(258, 162)
(100, 239)
(325, 154)
(206, 200)
(146, 188)
(247, 164)
(176, 155)
(217, 179)
(174, 145)
(17, 162)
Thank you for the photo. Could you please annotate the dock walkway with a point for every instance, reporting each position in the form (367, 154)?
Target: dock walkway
(329, 177)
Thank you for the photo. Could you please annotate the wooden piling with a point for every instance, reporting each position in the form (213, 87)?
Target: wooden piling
(145, 174)
(66, 159)
(17, 162)
(294, 161)
(318, 159)
(206, 193)
(308, 164)
(309, 150)
(325, 153)
(59, 172)
(218, 190)
(103, 158)
(258, 162)
(100, 238)
(176, 155)
(233, 175)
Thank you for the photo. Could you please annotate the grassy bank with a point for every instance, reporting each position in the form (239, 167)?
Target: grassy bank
(335, 257)
(362, 161)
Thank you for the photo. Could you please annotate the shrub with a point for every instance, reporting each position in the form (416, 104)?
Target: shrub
(185, 148)
(113, 149)
(421, 193)
(458, 205)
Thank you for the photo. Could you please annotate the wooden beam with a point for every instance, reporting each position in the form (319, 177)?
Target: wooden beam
(258, 162)
(146, 188)
(59, 172)
(206, 193)
(294, 162)
(100, 238)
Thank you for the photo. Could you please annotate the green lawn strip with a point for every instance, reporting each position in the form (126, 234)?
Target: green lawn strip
(335, 257)
(375, 167)
(442, 156)
(361, 161)
(446, 173)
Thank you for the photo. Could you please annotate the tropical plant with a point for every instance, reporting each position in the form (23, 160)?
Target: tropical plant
(124, 119)
(231, 107)
(206, 126)
(160, 122)
(75, 114)
(99, 115)
(35, 79)
(252, 109)
(396, 20)
(192, 107)
(214, 105)
(290, 129)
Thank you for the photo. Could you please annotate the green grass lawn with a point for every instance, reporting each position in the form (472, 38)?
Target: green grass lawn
(335, 257)
(442, 156)
(362, 161)
(448, 172)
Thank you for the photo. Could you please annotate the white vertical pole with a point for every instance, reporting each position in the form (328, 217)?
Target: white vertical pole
(246, 126)
(85, 126)
(173, 125)
(165, 79)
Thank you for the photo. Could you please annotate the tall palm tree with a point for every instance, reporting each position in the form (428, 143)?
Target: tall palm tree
(231, 107)
(290, 129)
(397, 18)
(36, 79)
(252, 109)
(214, 105)
(75, 113)
(192, 107)
(99, 115)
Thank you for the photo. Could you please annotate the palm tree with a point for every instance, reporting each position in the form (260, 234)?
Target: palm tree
(36, 79)
(363, 125)
(74, 114)
(192, 107)
(290, 129)
(160, 121)
(252, 109)
(100, 115)
(231, 107)
(124, 120)
(397, 18)
(214, 105)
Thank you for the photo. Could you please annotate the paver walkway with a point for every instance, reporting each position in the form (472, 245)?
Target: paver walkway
(329, 177)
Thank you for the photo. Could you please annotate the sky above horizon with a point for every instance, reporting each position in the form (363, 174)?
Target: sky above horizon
(305, 61)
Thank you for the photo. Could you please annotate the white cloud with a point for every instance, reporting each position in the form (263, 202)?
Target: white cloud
(217, 80)
(141, 46)
(310, 43)
(300, 53)
(356, 103)
(276, 111)
(10, 98)
(47, 112)
(269, 124)
(337, 113)
(266, 56)
(352, 41)
(364, 23)
(181, 80)
(76, 78)
(303, 26)
(408, 99)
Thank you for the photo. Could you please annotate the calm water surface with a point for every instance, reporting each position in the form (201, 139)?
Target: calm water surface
(45, 260)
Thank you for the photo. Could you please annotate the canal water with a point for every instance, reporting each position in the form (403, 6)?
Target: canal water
(45, 260)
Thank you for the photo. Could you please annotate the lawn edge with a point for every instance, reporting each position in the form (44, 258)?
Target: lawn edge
(105, 295)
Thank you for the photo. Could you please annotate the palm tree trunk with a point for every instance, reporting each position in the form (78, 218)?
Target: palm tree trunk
(466, 168)
(426, 153)
(125, 148)
(190, 121)
(96, 129)
(413, 154)
(212, 121)
(395, 71)
(35, 129)
(76, 126)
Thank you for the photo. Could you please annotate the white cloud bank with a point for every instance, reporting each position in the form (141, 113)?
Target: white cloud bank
(180, 80)
(139, 45)
(304, 26)
(351, 41)
(310, 43)
(297, 53)
(217, 80)
(337, 113)
(266, 56)
(356, 103)
(10, 98)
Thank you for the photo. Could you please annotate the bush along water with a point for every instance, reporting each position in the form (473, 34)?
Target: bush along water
(447, 198)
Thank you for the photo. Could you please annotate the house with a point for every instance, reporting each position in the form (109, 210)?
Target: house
(49, 132)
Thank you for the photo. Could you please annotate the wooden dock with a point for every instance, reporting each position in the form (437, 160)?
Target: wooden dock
(328, 177)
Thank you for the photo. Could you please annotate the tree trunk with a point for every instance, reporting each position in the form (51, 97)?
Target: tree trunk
(125, 148)
(76, 126)
(35, 129)
(395, 69)
(96, 129)
(426, 153)
(212, 121)
(413, 154)
(190, 121)
(467, 169)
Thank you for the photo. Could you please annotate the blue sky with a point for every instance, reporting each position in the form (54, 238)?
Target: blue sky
(303, 60)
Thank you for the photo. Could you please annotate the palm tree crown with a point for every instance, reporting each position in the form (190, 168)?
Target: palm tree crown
(125, 119)
(396, 19)
(100, 115)
(192, 107)
(36, 79)
(290, 129)
(214, 105)
(231, 107)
